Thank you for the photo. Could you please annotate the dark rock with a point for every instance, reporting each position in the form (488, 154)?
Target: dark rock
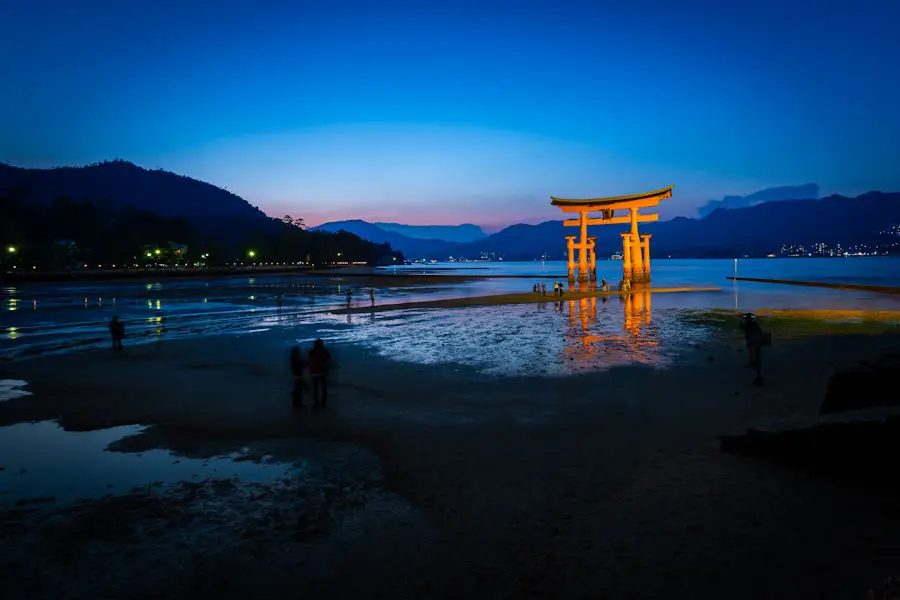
(869, 383)
(863, 452)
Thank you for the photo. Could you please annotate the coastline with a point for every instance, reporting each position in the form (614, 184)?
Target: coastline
(526, 485)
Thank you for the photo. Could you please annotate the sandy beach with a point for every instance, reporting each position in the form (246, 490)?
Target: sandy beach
(438, 481)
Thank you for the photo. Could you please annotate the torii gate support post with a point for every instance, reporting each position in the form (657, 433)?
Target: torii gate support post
(571, 264)
(626, 257)
(645, 245)
(637, 261)
(583, 249)
(593, 249)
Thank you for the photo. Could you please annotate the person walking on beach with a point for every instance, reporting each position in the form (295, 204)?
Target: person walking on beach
(297, 373)
(117, 331)
(556, 288)
(372, 295)
(349, 297)
(319, 361)
(604, 287)
(756, 339)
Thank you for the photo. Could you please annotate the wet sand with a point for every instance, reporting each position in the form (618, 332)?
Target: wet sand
(445, 483)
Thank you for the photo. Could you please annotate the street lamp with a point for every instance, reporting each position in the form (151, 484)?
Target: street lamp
(251, 253)
(11, 249)
(157, 251)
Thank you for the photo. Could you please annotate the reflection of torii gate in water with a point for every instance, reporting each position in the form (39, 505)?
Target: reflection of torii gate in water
(637, 308)
(635, 247)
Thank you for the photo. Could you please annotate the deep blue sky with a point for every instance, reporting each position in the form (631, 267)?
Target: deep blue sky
(448, 112)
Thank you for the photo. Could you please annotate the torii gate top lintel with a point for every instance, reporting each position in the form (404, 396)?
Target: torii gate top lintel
(642, 200)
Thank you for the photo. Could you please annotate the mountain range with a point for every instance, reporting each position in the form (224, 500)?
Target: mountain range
(755, 224)
(756, 229)
(810, 191)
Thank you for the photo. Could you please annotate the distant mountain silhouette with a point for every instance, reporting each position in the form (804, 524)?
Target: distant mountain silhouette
(778, 194)
(447, 233)
(409, 246)
(755, 230)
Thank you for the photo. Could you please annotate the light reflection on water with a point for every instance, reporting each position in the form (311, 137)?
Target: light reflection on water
(548, 339)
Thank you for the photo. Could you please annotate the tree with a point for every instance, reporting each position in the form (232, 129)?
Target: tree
(289, 220)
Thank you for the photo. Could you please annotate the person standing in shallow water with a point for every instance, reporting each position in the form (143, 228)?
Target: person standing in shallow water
(319, 361)
(117, 332)
(297, 373)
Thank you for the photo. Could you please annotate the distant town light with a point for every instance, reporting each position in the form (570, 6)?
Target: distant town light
(11, 249)
(157, 251)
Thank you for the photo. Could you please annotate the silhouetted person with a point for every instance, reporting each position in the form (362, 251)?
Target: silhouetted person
(117, 331)
(297, 373)
(319, 361)
(279, 302)
(755, 337)
(349, 297)
(372, 296)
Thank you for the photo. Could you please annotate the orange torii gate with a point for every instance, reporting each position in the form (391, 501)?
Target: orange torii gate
(635, 247)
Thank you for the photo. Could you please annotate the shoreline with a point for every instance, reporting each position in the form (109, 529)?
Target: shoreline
(515, 298)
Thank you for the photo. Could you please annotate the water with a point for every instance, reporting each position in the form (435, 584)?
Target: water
(545, 339)
(51, 318)
(41, 461)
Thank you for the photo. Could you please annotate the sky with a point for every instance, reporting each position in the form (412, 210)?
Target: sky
(459, 112)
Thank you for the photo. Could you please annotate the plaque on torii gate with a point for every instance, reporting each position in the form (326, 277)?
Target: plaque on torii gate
(635, 246)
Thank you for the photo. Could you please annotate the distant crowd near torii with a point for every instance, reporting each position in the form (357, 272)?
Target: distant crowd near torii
(635, 246)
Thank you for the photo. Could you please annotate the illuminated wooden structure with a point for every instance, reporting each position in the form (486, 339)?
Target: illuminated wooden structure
(635, 246)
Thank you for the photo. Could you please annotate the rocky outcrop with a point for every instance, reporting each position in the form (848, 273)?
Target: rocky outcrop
(860, 451)
(867, 384)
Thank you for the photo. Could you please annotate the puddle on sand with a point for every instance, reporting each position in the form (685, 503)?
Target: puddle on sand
(12, 388)
(42, 461)
(550, 339)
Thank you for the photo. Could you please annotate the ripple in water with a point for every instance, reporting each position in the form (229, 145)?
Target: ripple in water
(549, 340)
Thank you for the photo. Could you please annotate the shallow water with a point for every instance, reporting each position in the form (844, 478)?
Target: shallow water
(549, 339)
(43, 463)
(12, 388)
(55, 318)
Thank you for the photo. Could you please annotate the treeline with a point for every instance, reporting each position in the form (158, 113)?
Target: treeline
(70, 235)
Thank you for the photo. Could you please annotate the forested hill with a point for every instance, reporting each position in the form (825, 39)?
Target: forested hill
(113, 209)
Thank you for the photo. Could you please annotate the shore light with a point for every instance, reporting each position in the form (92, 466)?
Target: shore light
(11, 249)
(157, 251)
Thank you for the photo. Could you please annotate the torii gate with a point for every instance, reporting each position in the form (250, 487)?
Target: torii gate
(635, 247)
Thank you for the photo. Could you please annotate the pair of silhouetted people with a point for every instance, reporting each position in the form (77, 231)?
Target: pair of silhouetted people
(319, 362)
(117, 332)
